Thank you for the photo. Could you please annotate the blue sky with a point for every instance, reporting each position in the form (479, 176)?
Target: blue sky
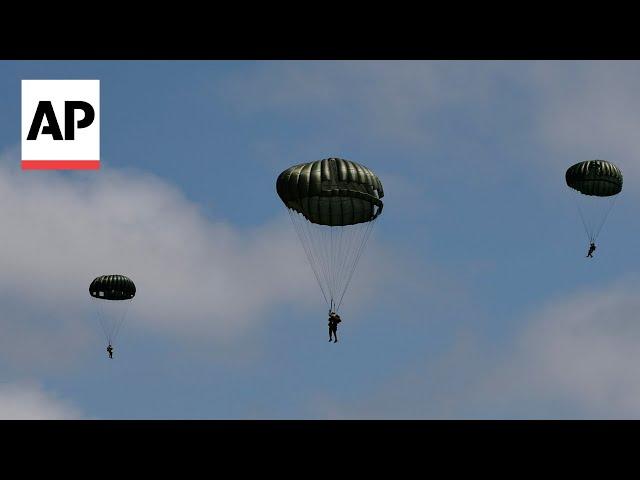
(473, 299)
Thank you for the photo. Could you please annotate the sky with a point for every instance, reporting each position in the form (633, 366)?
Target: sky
(473, 299)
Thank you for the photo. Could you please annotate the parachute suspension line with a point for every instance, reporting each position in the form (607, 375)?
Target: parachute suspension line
(368, 229)
(346, 248)
(332, 253)
(111, 320)
(355, 238)
(332, 260)
(351, 246)
(346, 241)
(341, 254)
(356, 258)
(584, 224)
(345, 270)
(594, 222)
(120, 321)
(338, 252)
(339, 257)
(611, 204)
(319, 243)
(102, 320)
(326, 244)
(306, 246)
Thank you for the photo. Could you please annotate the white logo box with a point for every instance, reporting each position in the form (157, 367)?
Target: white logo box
(46, 153)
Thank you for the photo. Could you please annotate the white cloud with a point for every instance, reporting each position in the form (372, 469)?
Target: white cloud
(193, 275)
(584, 350)
(196, 278)
(574, 110)
(577, 357)
(29, 401)
(397, 101)
(587, 110)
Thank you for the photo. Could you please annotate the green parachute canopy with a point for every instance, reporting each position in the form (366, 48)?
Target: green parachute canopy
(597, 184)
(595, 177)
(112, 287)
(332, 192)
(333, 205)
(111, 315)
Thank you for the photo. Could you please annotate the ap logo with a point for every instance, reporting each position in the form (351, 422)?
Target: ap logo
(60, 124)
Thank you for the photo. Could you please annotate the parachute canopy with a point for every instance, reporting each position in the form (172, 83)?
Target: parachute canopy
(112, 287)
(596, 184)
(595, 177)
(332, 192)
(333, 205)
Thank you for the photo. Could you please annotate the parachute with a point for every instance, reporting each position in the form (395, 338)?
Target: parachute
(597, 184)
(113, 295)
(333, 205)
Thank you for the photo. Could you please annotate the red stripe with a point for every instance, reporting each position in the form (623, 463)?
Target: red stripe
(60, 164)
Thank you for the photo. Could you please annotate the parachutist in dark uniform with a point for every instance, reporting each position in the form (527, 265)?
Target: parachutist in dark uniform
(110, 351)
(334, 320)
(592, 248)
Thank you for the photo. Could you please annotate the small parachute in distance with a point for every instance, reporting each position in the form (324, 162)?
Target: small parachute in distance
(333, 204)
(113, 295)
(597, 183)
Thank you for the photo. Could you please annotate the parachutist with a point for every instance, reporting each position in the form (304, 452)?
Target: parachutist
(594, 181)
(334, 320)
(113, 293)
(333, 204)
